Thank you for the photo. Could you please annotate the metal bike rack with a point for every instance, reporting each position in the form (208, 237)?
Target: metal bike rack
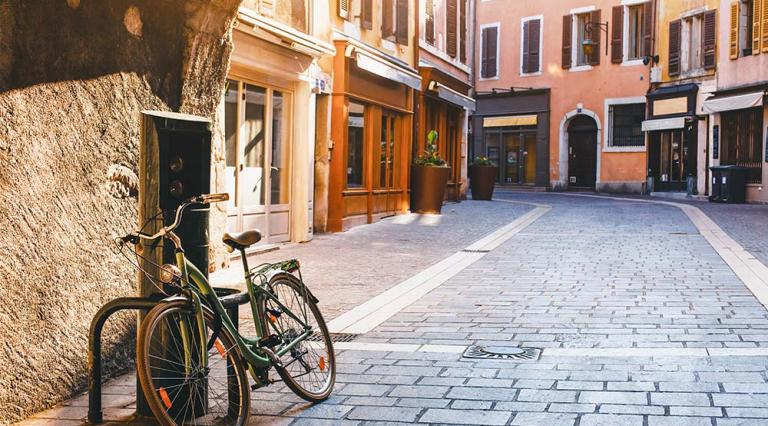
(231, 302)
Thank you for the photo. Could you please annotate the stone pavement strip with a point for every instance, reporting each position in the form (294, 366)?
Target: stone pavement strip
(630, 289)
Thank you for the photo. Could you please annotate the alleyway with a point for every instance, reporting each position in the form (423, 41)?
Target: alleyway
(638, 318)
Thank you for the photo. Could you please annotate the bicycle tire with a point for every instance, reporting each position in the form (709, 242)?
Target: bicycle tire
(325, 360)
(154, 371)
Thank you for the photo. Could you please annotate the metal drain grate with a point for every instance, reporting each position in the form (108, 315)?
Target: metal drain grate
(502, 352)
(335, 337)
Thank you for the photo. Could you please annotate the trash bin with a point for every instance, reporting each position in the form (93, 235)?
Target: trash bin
(729, 184)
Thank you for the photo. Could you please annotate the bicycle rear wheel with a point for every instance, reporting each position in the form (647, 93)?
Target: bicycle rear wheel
(309, 368)
(178, 387)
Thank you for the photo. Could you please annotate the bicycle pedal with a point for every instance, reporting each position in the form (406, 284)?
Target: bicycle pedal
(269, 341)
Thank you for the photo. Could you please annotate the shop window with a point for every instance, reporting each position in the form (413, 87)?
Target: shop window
(489, 51)
(741, 145)
(625, 125)
(355, 145)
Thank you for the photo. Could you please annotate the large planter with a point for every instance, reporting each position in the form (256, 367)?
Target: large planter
(428, 188)
(482, 179)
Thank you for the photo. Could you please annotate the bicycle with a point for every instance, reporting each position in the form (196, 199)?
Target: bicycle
(192, 362)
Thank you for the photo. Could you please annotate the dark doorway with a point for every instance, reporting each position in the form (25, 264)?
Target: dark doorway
(672, 159)
(582, 152)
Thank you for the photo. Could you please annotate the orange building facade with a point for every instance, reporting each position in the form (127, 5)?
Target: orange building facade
(561, 92)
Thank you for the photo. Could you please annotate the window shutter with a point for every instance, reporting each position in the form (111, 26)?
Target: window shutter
(366, 15)
(526, 47)
(534, 50)
(344, 9)
(429, 24)
(709, 41)
(401, 35)
(756, 33)
(649, 18)
(674, 47)
(617, 34)
(594, 58)
(451, 10)
(733, 39)
(387, 20)
(463, 31)
(567, 33)
(488, 53)
(764, 42)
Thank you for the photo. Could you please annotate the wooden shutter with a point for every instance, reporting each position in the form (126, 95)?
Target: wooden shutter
(463, 31)
(526, 47)
(733, 39)
(429, 22)
(764, 27)
(344, 9)
(594, 58)
(534, 48)
(675, 28)
(649, 19)
(366, 14)
(451, 9)
(709, 39)
(567, 40)
(617, 34)
(387, 20)
(488, 54)
(756, 33)
(401, 31)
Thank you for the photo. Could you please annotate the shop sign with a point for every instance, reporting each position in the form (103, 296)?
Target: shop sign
(715, 141)
(670, 106)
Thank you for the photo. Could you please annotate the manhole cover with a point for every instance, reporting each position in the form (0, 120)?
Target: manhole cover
(335, 337)
(502, 352)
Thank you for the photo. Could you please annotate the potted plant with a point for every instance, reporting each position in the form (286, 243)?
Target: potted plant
(429, 177)
(482, 178)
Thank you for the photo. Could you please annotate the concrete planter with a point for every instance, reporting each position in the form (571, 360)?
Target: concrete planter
(428, 188)
(482, 179)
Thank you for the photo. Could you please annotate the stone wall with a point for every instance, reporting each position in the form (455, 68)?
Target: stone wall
(74, 76)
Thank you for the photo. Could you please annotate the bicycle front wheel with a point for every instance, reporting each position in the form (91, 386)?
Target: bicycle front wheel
(180, 388)
(309, 367)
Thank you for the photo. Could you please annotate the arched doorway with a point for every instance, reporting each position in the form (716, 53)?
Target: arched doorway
(582, 152)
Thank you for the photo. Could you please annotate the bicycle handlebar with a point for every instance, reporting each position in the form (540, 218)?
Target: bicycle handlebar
(200, 199)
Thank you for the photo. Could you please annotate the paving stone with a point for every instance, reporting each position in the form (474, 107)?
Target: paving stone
(462, 404)
(394, 414)
(678, 421)
(610, 420)
(364, 390)
(688, 387)
(747, 412)
(631, 386)
(419, 391)
(469, 417)
(614, 397)
(536, 395)
(550, 419)
(579, 385)
(630, 409)
(740, 400)
(571, 408)
(483, 394)
(680, 398)
(696, 411)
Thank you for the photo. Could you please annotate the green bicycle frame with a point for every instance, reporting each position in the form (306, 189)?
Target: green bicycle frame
(201, 293)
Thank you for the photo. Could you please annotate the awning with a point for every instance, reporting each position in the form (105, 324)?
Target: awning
(733, 102)
(446, 93)
(387, 70)
(663, 124)
(510, 120)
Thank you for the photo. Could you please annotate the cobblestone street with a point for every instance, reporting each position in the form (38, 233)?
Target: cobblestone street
(639, 318)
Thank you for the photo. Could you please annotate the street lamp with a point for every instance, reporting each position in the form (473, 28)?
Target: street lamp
(588, 45)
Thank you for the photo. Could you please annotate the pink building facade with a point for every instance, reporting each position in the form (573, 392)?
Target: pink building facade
(556, 107)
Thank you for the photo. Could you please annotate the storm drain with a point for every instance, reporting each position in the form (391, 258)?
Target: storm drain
(502, 352)
(335, 337)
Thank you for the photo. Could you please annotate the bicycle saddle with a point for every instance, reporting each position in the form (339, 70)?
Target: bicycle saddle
(242, 240)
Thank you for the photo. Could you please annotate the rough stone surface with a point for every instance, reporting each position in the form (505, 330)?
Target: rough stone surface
(74, 77)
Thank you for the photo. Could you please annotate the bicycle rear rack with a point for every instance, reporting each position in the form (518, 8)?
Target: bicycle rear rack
(231, 301)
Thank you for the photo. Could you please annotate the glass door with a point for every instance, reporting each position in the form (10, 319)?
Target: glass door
(512, 158)
(672, 160)
(258, 140)
(387, 163)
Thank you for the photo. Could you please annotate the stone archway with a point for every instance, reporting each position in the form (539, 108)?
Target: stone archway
(562, 183)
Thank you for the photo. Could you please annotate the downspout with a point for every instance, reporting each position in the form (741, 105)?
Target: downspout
(654, 30)
(416, 127)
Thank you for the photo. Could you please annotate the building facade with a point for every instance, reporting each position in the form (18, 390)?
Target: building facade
(444, 103)
(561, 92)
(270, 111)
(737, 110)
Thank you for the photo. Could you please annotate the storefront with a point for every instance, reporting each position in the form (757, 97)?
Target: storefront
(268, 116)
(512, 130)
(672, 128)
(739, 135)
(445, 107)
(371, 129)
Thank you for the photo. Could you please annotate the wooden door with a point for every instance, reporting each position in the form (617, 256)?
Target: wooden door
(582, 152)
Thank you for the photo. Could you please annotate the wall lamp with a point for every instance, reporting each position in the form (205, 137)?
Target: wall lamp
(588, 45)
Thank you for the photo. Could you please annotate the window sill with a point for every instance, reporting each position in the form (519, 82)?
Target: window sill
(488, 78)
(530, 74)
(632, 63)
(581, 68)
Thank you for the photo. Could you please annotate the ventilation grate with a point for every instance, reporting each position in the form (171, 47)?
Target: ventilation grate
(502, 352)
(335, 337)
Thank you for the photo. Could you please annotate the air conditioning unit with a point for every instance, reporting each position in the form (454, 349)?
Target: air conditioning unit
(655, 74)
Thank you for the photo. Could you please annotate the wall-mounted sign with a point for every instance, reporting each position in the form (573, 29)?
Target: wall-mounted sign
(670, 106)
(715, 141)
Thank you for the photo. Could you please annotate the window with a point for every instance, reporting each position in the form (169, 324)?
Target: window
(530, 49)
(742, 141)
(635, 32)
(748, 27)
(489, 51)
(394, 20)
(692, 43)
(355, 145)
(625, 125)
(294, 13)
(577, 29)
(429, 22)
(366, 14)
(581, 22)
